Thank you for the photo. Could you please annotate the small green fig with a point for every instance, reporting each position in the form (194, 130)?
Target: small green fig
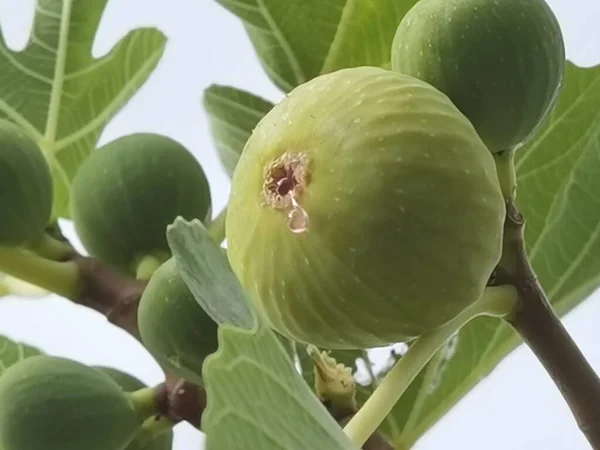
(127, 192)
(146, 439)
(501, 62)
(26, 190)
(365, 210)
(173, 326)
(50, 402)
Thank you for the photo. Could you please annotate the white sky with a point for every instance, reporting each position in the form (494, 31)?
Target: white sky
(516, 408)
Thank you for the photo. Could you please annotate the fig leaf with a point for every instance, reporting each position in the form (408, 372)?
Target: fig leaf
(205, 269)
(557, 176)
(12, 352)
(298, 40)
(61, 95)
(251, 375)
(233, 114)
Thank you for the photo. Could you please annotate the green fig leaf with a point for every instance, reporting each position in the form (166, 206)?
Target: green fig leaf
(297, 40)
(557, 176)
(278, 412)
(62, 96)
(12, 352)
(205, 269)
(232, 115)
(253, 385)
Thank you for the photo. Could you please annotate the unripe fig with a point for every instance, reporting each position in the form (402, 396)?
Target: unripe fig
(173, 326)
(127, 192)
(55, 403)
(501, 62)
(25, 187)
(146, 439)
(365, 210)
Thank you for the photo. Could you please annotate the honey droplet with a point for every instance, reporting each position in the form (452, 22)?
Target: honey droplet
(297, 218)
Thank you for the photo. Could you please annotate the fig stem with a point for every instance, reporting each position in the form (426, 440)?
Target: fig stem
(50, 248)
(61, 278)
(498, 301)
(507, 175)
(154, 426)
(545, 335)
(146, 266)
(145, 402)
(216, 229)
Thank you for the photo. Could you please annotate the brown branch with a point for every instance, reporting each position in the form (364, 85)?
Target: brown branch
(545, 335)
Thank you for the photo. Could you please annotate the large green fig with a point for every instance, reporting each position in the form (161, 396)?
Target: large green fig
(364, 210)
(146, 439)
(173, 326)
(25, 187)
(127, 192)
(50, 402)
(501, 62)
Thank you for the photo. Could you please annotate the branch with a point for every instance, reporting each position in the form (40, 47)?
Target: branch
(545, 335)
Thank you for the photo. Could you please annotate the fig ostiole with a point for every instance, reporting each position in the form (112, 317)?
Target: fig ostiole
(365, 210)
(501, 62)
(127, 192)
(26, 189)
(173, 326)
(51, 402)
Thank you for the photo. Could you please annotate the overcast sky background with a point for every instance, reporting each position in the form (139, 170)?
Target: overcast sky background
(516, 408)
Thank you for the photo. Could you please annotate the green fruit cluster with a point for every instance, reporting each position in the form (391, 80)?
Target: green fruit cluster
(26, 190)
(501, 62)
(51, 402)
(173, 326)
(127, 192)
(365, 210)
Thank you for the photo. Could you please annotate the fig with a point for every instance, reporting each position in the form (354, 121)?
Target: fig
(51, 402)
(26, 190)
(127, 192)
(146, 439)
(365, 210)
(502, 63)
(174, 327)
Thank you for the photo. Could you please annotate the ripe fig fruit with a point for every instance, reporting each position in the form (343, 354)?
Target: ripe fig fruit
(51, 402)
(26, 190)
(146, 439)
(127, 192)
(365, 210)
(173, 326)
(502, 63)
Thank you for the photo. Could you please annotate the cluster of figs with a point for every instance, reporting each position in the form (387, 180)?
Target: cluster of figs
(365, 210)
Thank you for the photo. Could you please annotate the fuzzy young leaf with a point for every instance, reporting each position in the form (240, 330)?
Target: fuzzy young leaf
(233, 114)
(12, 352)
(251, 382)
(557, 179)
(63, 97)
(297, 40)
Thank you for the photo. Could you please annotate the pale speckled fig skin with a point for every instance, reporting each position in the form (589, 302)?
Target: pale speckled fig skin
(501, 62)
(26, 190)
(55, 403)
(127, 192)
(404, 205)
(173, 325)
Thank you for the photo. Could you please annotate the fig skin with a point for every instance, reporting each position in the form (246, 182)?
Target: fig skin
(174, 327)
(404, 207)
(26, 189)
(501, 62)
(160, 441)
(127, 192)
(55, 403)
